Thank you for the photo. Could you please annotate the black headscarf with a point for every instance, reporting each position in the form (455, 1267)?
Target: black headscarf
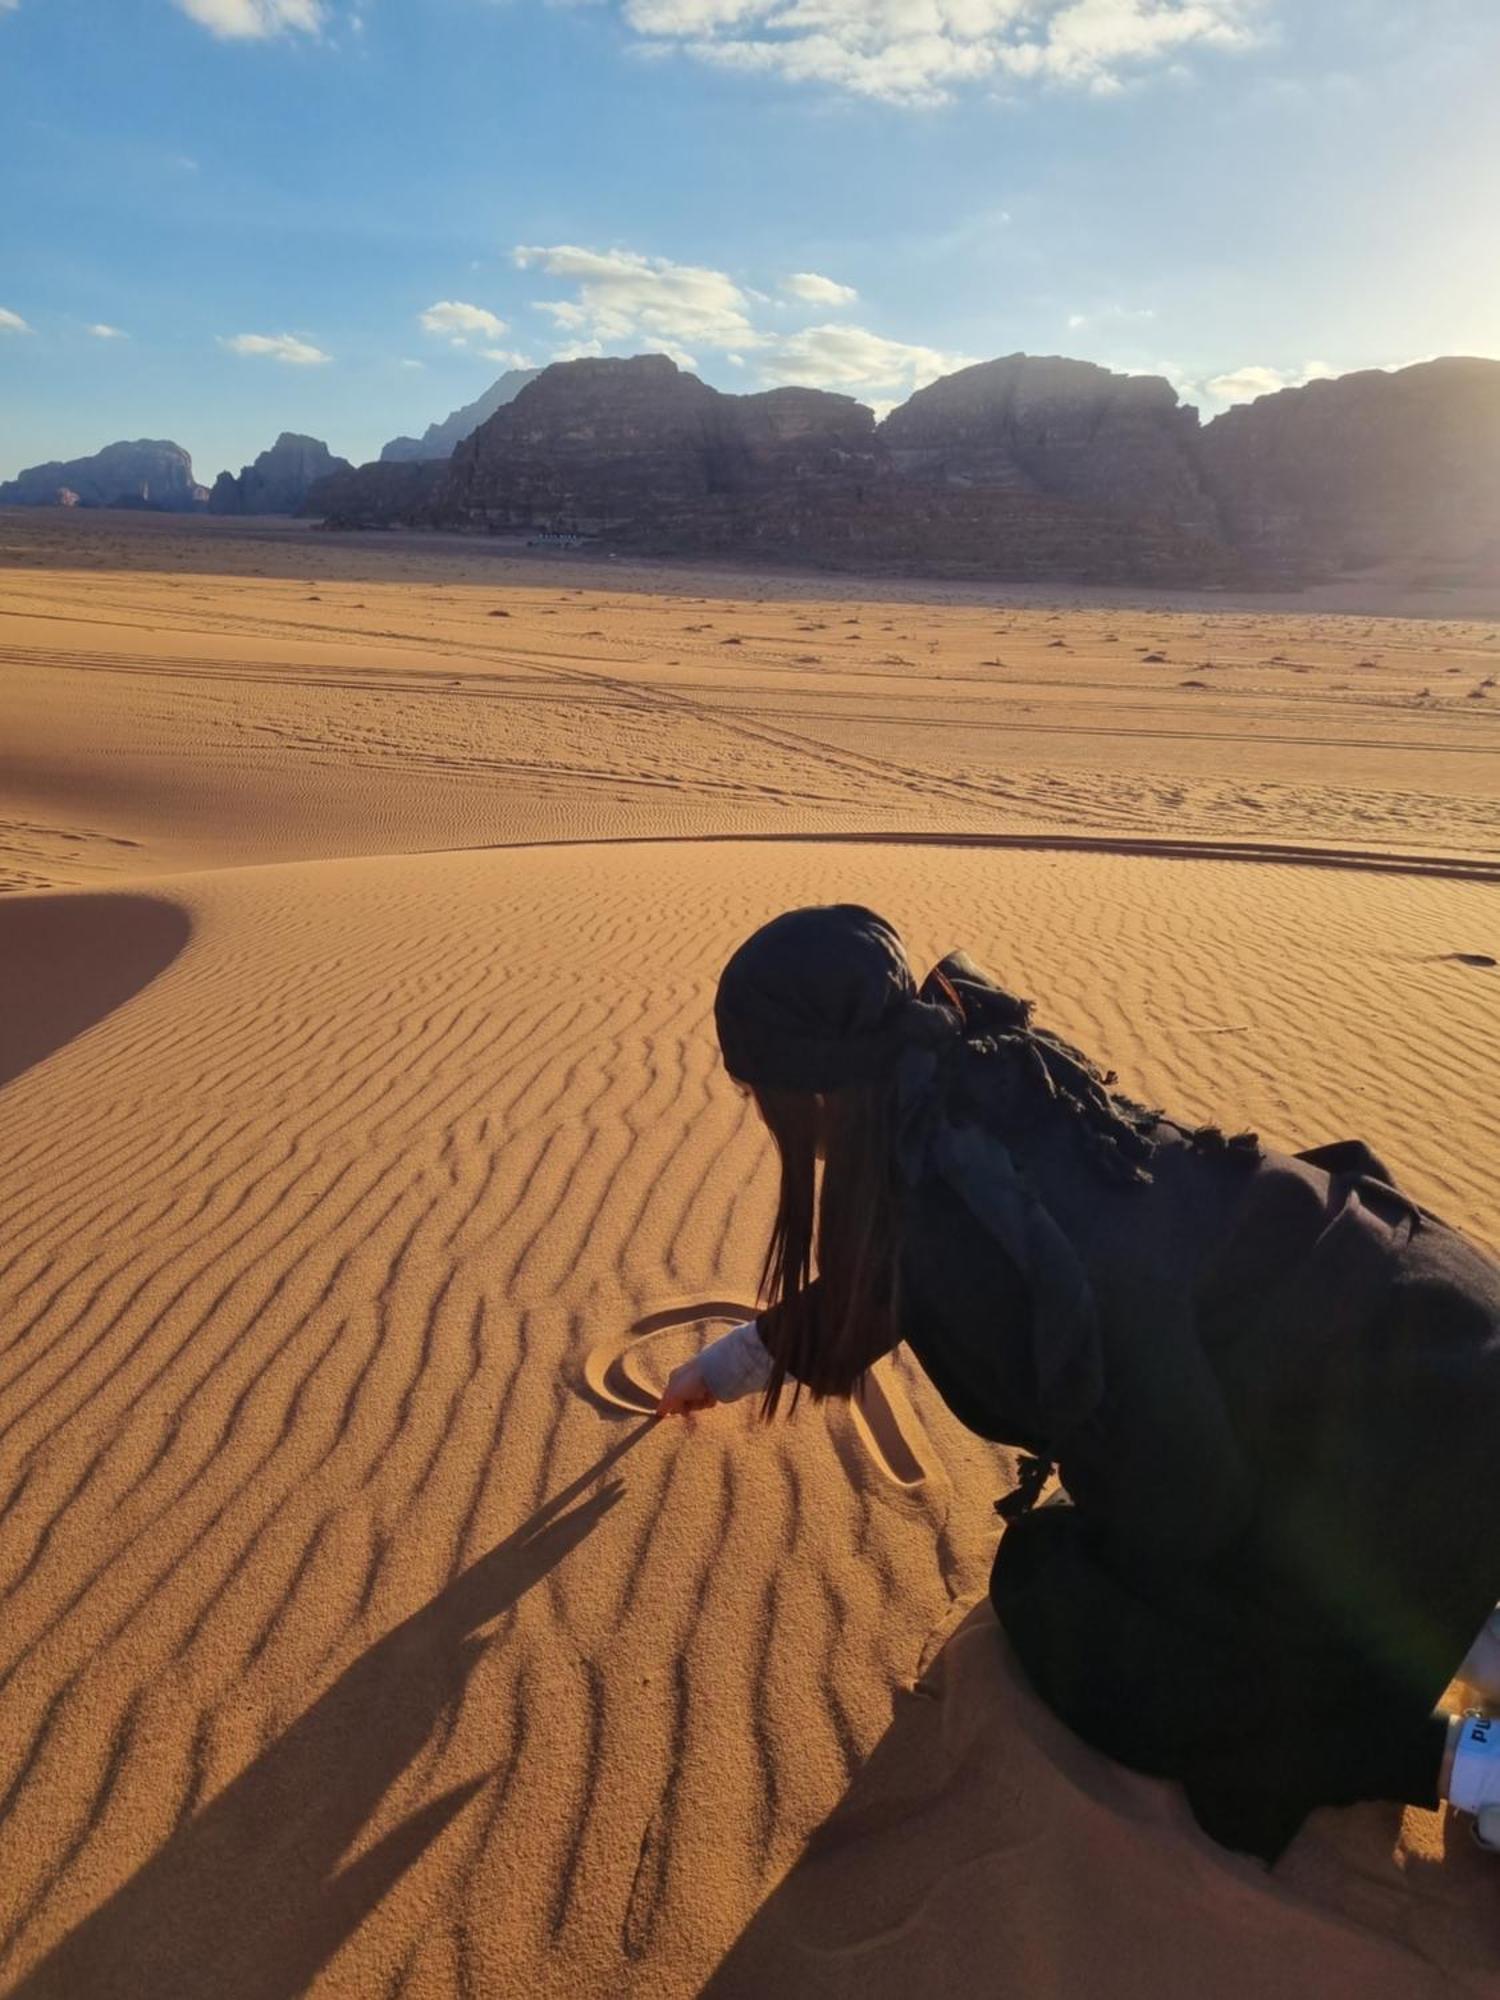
(821, 999)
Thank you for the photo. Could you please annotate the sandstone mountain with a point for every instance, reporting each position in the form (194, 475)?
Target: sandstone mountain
(1365, 470)
(438, 440)
(1023, 467)
(647, 457)
(620, 447)
(280, 479)
(383, 494)
(1066, 428)
(152, 472)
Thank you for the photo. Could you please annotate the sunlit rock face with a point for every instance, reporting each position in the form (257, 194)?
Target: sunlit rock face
(648, 457)
(280, 479)
(1017, 468)
(1065, 428)
(1366, 470)
(151, 472)
(642, 450)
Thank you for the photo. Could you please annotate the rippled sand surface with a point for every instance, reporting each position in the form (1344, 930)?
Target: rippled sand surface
(367, 1166)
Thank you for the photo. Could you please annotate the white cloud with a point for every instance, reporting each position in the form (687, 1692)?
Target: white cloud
(462, 323)
(849, 358)
(1217, 393)
(12, 322)
(404, 362)
(1243, 385)
(627, 303)
(919, 51)
(1110, 315)
(9, 6)
(101, 331)
(1089, 41)
(279, 346)
(623, 297)
(254, 20)
(819, 291)
(507, 357)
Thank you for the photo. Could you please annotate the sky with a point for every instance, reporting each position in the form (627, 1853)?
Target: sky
(221, 219)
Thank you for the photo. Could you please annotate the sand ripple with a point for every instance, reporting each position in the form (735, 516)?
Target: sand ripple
(359, 1628)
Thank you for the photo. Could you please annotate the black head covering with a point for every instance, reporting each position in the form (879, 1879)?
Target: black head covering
(820, 999)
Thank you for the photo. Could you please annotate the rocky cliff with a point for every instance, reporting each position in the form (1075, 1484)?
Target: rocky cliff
(644, 456)
(1370, 469)
(639, 450)
(1015, 468)
(438, 440)
(280, 479)
(391, 495)
(152, 472)
(1046, 425)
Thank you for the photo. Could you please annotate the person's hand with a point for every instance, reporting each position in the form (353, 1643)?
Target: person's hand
(686, 1390)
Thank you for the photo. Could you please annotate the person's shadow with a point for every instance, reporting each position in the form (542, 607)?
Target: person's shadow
(247, 1900)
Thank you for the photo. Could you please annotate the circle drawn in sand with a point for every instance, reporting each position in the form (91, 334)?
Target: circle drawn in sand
(613, 1370)
(619, 1374)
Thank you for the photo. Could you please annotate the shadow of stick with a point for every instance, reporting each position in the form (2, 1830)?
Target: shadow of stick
(245, 1901)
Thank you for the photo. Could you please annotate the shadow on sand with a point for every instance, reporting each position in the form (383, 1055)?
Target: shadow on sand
(246, 1901)
(66, 962)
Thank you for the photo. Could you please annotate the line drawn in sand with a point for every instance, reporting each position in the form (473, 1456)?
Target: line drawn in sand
(888, 1427)
(623, 1374)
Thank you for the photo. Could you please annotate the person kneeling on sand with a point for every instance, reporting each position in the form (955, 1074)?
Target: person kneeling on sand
(1269, 1383)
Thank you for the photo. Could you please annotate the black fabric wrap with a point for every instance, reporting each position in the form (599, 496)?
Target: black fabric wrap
(822, 999)
(983, 1172)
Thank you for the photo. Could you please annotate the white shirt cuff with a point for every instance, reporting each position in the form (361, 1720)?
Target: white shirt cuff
(736, 1364)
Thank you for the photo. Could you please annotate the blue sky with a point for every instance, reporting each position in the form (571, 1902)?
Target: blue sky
(225, 218)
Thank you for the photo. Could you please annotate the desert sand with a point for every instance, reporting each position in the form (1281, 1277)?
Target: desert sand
(367, 1165)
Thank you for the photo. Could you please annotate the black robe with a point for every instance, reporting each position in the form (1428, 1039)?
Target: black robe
(1281, 1530)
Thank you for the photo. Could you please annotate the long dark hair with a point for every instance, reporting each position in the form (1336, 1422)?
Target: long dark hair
(847, 1221)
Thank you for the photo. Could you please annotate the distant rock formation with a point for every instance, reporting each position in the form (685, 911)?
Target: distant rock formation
(646, 457)
(151, 473)
(1066, 428)
(1366, 470)
(639, 448)
(379, 495)
(1012, 469)
(438, 440)
(280, 479)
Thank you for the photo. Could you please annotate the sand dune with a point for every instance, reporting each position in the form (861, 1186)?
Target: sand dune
(388, 704)
(362, 1633)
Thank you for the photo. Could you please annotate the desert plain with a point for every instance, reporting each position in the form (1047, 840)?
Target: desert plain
(367, 1164)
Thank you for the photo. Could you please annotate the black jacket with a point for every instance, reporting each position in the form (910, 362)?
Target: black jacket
(1279, 1443)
